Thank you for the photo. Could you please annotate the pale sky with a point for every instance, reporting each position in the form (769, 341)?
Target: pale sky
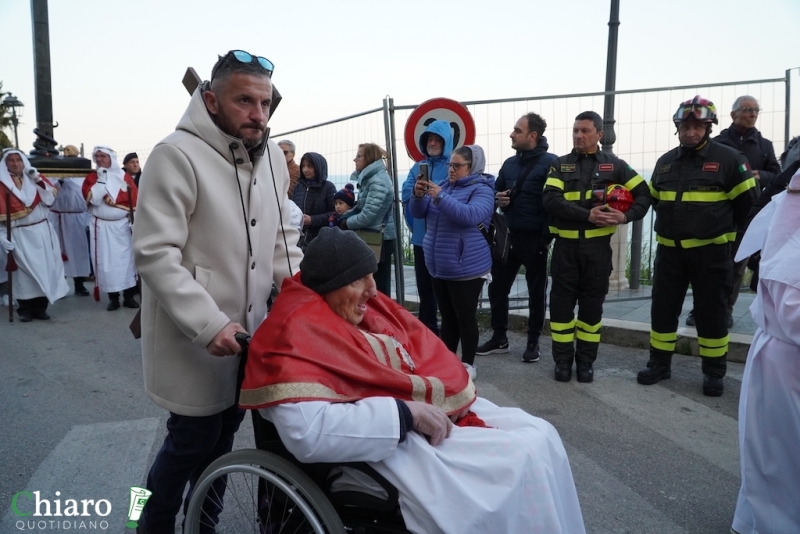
(117, 66)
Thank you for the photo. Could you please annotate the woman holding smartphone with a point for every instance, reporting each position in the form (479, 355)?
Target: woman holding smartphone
(456, 253)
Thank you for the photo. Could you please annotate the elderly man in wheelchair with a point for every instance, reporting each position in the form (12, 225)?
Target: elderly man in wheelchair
(348, 375)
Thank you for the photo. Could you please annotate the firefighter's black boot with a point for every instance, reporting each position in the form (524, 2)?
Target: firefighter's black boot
(658, 368)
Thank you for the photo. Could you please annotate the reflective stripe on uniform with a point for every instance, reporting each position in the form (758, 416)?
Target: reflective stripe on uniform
(555, 182)
(748, 184)
(713, 348)
(563, 332)
(587, 332)
(576, 234)
(665, 342)
(704, 196)
(633, 182)
(730, 237)
(576, 195)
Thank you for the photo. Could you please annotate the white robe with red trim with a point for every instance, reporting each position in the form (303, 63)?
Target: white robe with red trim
(40, 270)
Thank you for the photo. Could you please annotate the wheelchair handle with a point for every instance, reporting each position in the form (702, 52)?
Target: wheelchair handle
(243, 338)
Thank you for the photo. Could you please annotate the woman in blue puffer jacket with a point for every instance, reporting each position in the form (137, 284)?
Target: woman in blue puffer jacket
(456, 253)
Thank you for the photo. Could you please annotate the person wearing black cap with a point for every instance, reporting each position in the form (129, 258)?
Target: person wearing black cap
(131, 165)
(348, 375)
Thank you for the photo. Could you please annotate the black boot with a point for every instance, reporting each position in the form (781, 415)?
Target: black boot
(712, 385)
(127, 298)
(585, 373)
(80, 290)
(657, 369)
(713, 371)
(113, 301)
(563, 372)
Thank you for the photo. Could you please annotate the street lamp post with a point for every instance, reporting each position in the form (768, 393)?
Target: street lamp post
(13, 102)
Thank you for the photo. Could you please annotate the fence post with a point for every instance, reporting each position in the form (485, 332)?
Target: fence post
(787, 134)
(391, 151)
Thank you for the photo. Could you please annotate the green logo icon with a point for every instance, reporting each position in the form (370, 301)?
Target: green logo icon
(139, 497)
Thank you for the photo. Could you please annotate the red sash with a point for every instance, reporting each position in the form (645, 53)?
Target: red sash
(304, 351)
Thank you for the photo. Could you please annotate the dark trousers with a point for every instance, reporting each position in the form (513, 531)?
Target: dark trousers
(709, 269)
(739, 269)
(528, 250)
(31, 307)
(126, 294)
(580, 271)
(427, 300)
(383, 276)
(458, 303)
(192, 443)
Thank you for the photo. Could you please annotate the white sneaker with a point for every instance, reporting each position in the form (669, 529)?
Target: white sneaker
(470, 370)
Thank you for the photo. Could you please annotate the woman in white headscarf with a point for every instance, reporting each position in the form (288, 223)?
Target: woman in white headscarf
(111, 199)
(769, 405)
(24, 198)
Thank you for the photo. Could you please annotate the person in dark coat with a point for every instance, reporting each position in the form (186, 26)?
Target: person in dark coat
(313, 195)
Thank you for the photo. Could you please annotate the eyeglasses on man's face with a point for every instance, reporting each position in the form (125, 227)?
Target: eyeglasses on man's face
(456, 166)
(750, 110)
(286, 152)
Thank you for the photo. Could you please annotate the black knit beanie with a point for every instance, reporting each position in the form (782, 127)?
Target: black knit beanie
(334, 259)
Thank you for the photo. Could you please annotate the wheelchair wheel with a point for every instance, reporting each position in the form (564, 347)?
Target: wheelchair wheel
(263, 494)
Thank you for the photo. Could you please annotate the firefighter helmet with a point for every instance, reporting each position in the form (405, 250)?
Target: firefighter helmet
(619, 197)
(699, 108)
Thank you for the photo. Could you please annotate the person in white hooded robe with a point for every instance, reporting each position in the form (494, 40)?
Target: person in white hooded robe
(24, 198)
(769, 405)
(110, 195)
(70, 220)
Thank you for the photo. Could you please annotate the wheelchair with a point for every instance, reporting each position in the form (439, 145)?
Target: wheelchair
(267, 491)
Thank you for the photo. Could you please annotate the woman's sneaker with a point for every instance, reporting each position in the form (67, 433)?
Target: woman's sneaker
(493, 346)
(470, 370)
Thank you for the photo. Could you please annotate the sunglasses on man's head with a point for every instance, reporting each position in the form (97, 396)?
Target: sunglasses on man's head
(246, 57)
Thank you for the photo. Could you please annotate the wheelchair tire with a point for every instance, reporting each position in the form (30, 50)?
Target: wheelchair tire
(263, 494)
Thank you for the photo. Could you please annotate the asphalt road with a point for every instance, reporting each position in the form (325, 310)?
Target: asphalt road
(76, 419)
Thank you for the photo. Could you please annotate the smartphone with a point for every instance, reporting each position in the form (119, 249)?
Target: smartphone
(423, 172)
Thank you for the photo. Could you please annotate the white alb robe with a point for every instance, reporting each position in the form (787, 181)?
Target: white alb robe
(111, 247)
(512, 478)
(769, 405)
(70, 220)
(38, 256)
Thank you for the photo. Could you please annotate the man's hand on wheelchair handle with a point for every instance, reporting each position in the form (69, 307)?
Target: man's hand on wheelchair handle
(430, 421)
(224, 343)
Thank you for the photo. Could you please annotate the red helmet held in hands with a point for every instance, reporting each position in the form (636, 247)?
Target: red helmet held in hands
(619, 197)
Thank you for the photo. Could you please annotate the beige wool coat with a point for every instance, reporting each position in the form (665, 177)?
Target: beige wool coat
(190, 243)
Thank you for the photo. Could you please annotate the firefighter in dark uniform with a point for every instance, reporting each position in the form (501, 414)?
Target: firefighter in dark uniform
(581, 263)
(701, 191)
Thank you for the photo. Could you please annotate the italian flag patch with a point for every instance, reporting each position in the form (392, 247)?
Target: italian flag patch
(744, 167)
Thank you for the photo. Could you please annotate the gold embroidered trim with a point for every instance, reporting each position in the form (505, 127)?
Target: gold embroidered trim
(418, 388)
(293, 390)
(376, 346)
(437, 391)
(390, 345)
